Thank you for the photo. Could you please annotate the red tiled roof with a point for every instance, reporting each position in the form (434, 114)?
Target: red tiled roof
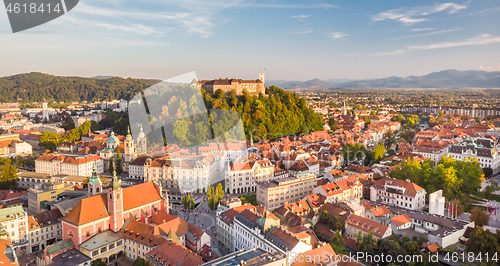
(95, 207)
(401, 219)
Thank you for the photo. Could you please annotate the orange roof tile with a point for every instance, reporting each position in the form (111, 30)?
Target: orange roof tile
(401, 219)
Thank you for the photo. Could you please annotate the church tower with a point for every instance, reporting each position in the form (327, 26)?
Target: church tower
(95, 184)
(344, 109)
(115, 204)
(142, 148)
(129, 147)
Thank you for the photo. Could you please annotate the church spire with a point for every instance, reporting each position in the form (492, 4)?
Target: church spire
(115, 184)
(94, 184)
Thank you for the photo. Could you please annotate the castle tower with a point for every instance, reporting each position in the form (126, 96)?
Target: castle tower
(115, 204)
(129, 147)
(262, 77)
(95, 184)
(142, 148)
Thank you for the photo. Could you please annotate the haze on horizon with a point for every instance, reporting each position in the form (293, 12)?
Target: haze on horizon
(293, 40)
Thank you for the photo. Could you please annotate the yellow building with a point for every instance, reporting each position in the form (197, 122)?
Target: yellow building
(44, 193)
(273, 194)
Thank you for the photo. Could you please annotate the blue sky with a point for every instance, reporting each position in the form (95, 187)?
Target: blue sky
(293, 40)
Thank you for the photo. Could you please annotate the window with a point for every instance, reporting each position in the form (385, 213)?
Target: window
(88, 233)
(95, 253)
(104, 249)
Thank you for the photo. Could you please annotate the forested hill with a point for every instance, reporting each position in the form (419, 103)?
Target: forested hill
(35, 87)
(277, 114)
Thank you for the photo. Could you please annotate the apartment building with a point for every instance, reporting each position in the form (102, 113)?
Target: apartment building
(182, 174)
(243, 176)
(356, 224)
(434, 150)
(341, 191)
(39, 197)
(78, 165)
(484, 150)
(44, 229)
(275, 193)
(225, 225)
(252, 230)
(140, 239)
(404, 194)
(255, 256)
(14, 221)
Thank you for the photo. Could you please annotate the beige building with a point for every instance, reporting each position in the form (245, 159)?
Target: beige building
(44, 193)
(238, 85)
(78, 165)
(356, 224)
(44, 229)
(106, 245)
(15, 223)
(275, 193)
(242, 177)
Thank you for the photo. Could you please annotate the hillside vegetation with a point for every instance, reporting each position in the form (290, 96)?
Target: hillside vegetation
(37, 87)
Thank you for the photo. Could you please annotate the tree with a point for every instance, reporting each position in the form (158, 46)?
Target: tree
(337, 242)
(98, 262)
(487, 172)
(331, 123)
(366, 242)
(379, 152)
(214, 196)
(140, 262)
(8, 174)
(483, 242)
(68, 124)
(188, 202)
(111, 165)
(479, 216)
(368, 120)
(490, 189)
(180, 131)
(119, 167)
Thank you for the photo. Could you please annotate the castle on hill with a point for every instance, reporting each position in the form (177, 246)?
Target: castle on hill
(238, 85)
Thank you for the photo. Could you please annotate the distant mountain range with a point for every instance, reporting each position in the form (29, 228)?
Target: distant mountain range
(442, 79)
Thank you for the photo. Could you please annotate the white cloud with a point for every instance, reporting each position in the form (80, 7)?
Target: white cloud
(337, 35)
(426, 34)
(422, 29)
(479, 40)
(301, 16)
(409, 16)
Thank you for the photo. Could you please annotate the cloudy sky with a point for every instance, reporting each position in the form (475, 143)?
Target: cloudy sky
(293, 40)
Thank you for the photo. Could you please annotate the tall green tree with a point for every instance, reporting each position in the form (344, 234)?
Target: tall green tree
(479, 216)
(111, 165)
(140, 262)
(379, 152)
(337, 242)
(366, 242)
(482, 242)
(119, 167)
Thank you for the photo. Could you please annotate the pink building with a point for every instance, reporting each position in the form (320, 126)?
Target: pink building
(108, 209)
